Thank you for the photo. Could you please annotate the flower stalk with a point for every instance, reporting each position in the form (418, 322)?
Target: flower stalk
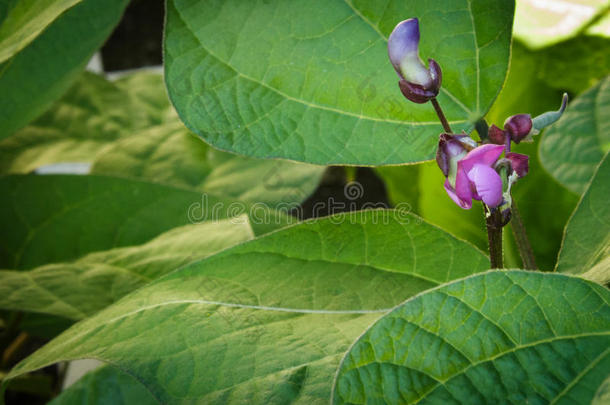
(523, 243)
(441, 115)
(494, 224)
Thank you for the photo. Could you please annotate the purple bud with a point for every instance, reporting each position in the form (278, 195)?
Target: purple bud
(403, 50)
(519, 163)
(496, 135)
(518, 126)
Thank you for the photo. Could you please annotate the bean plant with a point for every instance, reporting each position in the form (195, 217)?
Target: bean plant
(156, 222)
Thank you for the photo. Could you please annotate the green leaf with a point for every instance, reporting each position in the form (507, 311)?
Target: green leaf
(540, 23)
(499, 337)
(50, 219)
(586, 244)
(25, 20)
(129, 129)
(38, 75)
(81, 288)
(106, 385)
(172, 155)
(572, 148)
(92, 115)
(421, 188)
(270, 317)
(575, 64)
(311, 81)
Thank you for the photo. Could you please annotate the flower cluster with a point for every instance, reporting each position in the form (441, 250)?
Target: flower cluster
(472, 171)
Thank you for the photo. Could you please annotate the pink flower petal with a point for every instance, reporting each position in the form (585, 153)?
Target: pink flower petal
(463, 188)
(485, 154)
(487, 183)
(465, 204)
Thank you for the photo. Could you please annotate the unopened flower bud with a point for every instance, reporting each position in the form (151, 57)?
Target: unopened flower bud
(496, 135)
(519, 163)
(518, 126)
(418, 83)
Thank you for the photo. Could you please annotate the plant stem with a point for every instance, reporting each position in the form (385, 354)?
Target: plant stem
(523, 243)
(441, 116)
(493, 222)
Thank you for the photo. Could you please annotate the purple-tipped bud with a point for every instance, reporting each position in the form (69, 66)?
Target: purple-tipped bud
(420, 83)
(519, 163)
(496, 135)
(518, 126)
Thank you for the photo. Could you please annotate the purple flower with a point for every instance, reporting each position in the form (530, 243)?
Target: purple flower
(475, 178)
(418, 83)
(516, 128)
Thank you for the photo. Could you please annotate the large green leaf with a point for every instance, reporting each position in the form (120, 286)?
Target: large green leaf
(92, 115)
(35, 77)
(510, 337)
(267, 321)
(78, 289)
(572, 148)
(50, 219)
(540, 23)
(311, 81)
(586, 244)
(25, 20)
(106, 385)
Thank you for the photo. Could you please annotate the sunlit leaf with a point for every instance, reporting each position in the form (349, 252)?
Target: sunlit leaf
(541, 23)
(78, 289)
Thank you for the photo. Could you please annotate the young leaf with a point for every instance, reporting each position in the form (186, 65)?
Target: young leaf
(81, 288)
(106, 385)
(498, 337)
(586, 244)
(572, 148)
(311, 81)
(50, 219)
(270, 317)
(35, 77)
